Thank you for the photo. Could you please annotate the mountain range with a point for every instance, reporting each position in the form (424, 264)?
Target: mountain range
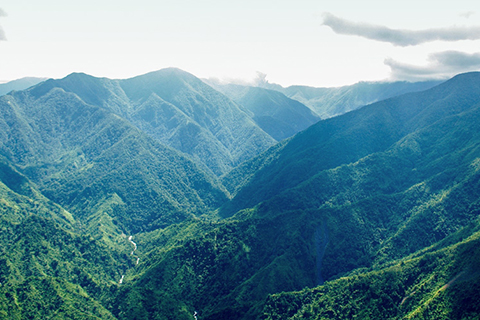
(166, 197)
(278, 115)
(330, 102)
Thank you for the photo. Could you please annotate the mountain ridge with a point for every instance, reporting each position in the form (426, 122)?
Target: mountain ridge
(370, 136)
(275, 113)
(372, 213)
(329, 102)
(220, 134)
(74, 149)
(19, 84)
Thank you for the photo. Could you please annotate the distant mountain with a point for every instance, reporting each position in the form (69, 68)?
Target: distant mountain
(179, 110)
(20, 84)
(330, 102)
(276, 114)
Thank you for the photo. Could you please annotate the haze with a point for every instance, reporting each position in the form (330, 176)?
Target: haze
(316, 43)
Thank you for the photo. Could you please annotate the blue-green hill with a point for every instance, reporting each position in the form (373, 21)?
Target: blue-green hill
(278, 115)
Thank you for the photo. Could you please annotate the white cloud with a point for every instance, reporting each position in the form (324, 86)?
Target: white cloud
(3, 37)
(441, 65)
(399, 37)
(467, 14)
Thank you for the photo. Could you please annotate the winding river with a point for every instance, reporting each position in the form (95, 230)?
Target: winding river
(131, 253)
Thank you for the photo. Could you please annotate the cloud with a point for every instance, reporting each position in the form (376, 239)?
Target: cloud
(261, 79)
(399, 37)
(2, 33)
(467, 14)
(441, 65)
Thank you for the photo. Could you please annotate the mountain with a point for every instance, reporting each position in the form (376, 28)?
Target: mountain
(47, 268)
(371, 214)
(441, 284)
(346, 139)
(94, 163)
(179, 110)
(20, 84)
(330, 102)
(413, 187)
(396, 187)
(276, 114)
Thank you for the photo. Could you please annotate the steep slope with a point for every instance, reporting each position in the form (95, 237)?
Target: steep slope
(418, 191)
(91, 161)
(393, 203)
(179, 110)
(377, 210)
(441, 284)
(221, 269)
(47, 268)
(20, 84)
(330, 102)
(346, 139)
(276, 114)
(422, 191)
(236, 135)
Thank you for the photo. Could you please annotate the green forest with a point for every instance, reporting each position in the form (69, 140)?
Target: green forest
(165, 197)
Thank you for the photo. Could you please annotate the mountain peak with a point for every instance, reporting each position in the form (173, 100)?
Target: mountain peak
(165, 73)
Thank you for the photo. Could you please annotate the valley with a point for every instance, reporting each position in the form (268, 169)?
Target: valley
(239, 202)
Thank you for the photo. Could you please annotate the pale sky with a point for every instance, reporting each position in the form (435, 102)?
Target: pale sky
(316, 43)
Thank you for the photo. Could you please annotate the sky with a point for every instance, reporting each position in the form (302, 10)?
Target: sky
(320, 43)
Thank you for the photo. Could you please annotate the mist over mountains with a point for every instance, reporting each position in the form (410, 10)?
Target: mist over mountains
(330, 102)
(167, 197)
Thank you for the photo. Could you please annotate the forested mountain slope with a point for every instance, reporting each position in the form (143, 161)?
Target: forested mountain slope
(46, 267)
(179, 110)
(348, 138)
(436, 284)
(411, 182)
(373, 214)
(91, 161)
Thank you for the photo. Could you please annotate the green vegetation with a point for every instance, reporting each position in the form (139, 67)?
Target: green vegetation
(86, 158)
(440, 284)
(179, 110)
(372, 215)
(46, 269)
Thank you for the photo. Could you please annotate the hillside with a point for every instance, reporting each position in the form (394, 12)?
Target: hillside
(371, 214)
(93, 162)
(276, 114)
(440, 284)
(46, 267)
(179, 110)
(348, 218)
(346, 139)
